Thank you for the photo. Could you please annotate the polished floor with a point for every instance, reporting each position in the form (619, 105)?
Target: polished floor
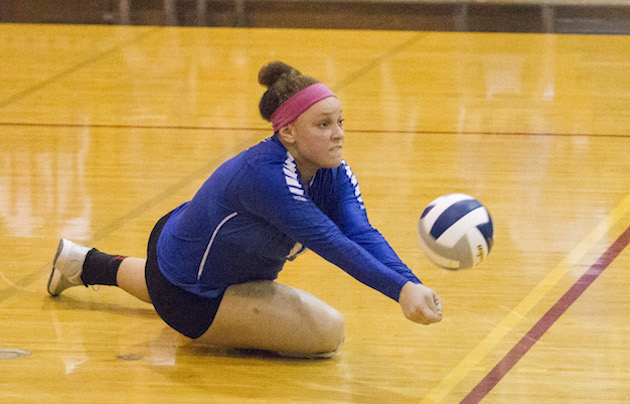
(104, 129)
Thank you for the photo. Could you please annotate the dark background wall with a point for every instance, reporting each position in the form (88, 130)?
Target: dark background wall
(341, 14)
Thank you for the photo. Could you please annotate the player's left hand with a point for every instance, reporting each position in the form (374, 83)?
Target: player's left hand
(420, 304)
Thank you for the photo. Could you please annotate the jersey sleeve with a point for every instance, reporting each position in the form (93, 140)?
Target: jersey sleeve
(273, 191)
(350, 215)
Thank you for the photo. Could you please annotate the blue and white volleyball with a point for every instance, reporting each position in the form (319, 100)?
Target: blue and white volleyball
(456, 231)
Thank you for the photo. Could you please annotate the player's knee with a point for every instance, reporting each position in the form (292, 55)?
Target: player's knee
(331, 332)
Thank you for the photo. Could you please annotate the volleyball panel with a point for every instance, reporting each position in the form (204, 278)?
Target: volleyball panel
(456, 231)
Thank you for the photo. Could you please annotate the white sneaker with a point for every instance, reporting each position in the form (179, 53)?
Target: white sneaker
(67, 267)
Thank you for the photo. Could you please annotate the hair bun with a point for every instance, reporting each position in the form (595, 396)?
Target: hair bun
(272, 72)
(282, 82)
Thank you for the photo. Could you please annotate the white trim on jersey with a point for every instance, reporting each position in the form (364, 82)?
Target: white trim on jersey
(354, 182)
(291, 178)
(214, 234)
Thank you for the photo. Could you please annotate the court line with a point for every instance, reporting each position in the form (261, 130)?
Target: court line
(75, 68)
(527, 342)
(542, 289)
(241, 129)
(131, 126)
(351, 77)
(432, 132)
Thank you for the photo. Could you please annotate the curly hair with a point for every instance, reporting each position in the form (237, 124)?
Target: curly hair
(282, 82)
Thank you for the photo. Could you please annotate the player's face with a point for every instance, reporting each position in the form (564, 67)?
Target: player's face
(318, 135)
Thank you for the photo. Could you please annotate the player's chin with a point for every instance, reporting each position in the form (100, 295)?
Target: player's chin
(334, 163)
(335, 158)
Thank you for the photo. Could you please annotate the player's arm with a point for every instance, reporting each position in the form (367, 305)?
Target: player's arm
(265, 193)
(350, 215)
(418, 302)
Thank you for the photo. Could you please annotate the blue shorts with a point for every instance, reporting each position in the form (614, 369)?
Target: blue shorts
(187, 313)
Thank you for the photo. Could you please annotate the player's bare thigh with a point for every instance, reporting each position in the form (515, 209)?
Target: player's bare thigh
(272, 316)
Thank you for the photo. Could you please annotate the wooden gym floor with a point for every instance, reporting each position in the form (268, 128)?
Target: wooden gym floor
(104, 129)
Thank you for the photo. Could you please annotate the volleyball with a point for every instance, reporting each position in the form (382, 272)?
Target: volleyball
(456, 231)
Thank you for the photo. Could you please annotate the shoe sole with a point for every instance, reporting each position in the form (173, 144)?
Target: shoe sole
(55, 276)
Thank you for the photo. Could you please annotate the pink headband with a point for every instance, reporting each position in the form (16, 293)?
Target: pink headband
(298, 104)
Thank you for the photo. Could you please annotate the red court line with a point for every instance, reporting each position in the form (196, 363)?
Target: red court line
(430, 132)
(121, 126)
(527, 342)
(386, 132)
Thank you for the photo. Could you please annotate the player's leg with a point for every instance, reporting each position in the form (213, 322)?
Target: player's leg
(131, 279)
(270, 316)
(75, 265)
(256, 315)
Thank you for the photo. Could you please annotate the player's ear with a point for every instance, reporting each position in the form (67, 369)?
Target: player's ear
(287, 134)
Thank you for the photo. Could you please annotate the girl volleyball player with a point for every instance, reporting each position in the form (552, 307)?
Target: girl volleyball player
(212, 262)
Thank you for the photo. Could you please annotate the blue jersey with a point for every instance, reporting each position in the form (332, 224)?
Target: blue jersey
(253, 214)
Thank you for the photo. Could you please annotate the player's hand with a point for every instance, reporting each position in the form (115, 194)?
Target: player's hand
(420, 304)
